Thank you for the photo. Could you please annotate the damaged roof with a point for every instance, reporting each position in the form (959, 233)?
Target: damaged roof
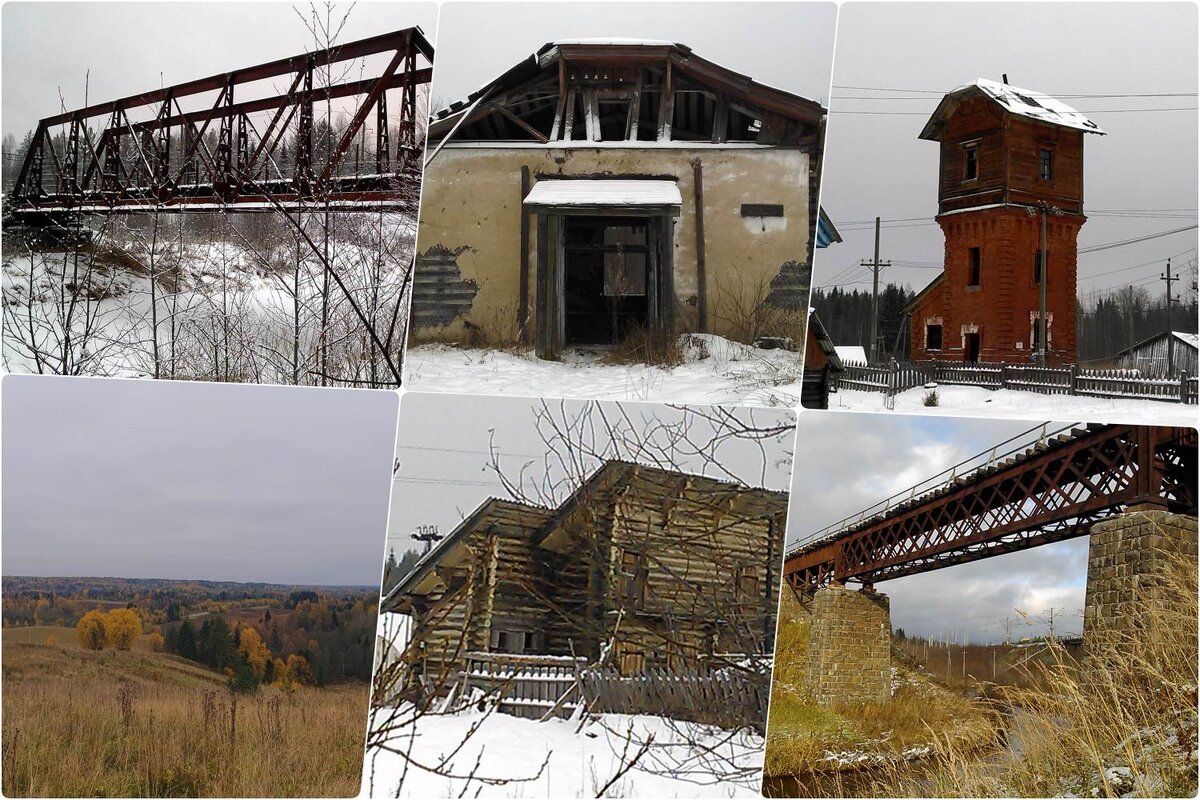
(1013, 99)
(604, 63)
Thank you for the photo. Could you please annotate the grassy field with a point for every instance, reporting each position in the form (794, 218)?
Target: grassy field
(82, 723)
(54, 634)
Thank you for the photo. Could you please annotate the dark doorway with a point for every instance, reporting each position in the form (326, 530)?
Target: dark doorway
(607, 271)
(971, 348)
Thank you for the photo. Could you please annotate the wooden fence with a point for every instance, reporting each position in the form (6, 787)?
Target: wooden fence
(1125, 384)
(533, 687)
(726, 698)
(541, 687)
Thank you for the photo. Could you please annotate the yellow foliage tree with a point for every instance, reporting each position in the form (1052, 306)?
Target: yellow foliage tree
(157, 642)
(122, 627)
(90, 630)
(252, 648)
(299, 671)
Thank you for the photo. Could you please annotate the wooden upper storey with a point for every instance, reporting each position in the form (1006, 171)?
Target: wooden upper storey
(627, 91)
(993, 153)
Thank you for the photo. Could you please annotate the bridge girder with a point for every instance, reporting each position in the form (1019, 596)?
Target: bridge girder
(1055, 493)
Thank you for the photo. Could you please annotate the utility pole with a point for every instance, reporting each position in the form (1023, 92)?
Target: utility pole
(1170, 326)
(875, 264)
(1041, 322)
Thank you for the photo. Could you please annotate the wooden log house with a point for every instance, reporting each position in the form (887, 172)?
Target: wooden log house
(639, 568)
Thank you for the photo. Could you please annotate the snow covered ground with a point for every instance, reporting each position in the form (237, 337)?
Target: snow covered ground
(715, 370)
(973, 401)
(576, 764)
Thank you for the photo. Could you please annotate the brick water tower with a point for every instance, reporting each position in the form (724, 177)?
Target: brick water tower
(1010, 177)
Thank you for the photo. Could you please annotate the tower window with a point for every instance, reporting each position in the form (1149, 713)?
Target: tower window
(971, 162)
(1037, 265)
(976, 267)
(1046, 164)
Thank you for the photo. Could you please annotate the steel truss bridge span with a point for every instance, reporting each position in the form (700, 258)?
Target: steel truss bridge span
(234, 141)
(1053, 491)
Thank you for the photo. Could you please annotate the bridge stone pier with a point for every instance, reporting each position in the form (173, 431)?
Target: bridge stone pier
(849, 647)
(1128, 560)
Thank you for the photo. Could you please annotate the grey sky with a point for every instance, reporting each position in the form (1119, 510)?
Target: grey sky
(876, 166)
(857, 460)
(786, 45)
(164, 479)
(443, 451)
(128, 46)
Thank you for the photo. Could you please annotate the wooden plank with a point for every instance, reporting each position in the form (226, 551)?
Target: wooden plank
(701, 271)
(523, 299)
(520, 123)
(666, 106)
(635, 110)
(569, 117)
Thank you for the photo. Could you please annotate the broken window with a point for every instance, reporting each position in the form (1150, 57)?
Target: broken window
(515, 642)
(933, 337)
(625, 258)
(976, 267)
(632, 579)
(1046, 164)
(747, 585)
(971, 162)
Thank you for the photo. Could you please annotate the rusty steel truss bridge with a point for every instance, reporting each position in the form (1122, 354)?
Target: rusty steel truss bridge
(1051, 491)
(235, 141)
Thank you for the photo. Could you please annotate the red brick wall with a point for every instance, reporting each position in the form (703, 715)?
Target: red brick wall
(1000, 307)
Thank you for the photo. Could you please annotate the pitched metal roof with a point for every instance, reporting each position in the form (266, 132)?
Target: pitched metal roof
(1013, 99)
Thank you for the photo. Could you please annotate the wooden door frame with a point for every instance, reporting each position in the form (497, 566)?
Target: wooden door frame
(550, 319)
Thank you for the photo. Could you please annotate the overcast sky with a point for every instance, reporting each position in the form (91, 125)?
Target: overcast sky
(164, 479)
(134, 47)
(785, 45)
(443, 449)
(876, 166)
(856, 460)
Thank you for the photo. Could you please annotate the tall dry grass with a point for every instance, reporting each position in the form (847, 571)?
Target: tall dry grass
(1122, 724)
(141, 724)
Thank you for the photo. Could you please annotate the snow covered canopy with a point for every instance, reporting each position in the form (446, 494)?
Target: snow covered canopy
(598, 193)
(1022, 102)
(627, 90)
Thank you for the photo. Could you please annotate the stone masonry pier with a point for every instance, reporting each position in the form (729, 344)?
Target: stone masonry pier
(1129, 558)
(849, 647)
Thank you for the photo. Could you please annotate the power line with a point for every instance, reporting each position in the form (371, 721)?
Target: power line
(1122, 242)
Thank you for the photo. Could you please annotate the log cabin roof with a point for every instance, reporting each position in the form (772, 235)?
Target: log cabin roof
(1012, 99)
(525, 103)
(821, 336)
(491, 513)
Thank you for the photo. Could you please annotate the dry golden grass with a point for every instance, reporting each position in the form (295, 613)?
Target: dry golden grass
(801, 736)
(1121, 725)
(640, 345)
(130, 724)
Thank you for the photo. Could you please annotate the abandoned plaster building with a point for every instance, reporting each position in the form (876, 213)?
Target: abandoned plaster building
(640, 567)
(601, 187)
(1011, 163)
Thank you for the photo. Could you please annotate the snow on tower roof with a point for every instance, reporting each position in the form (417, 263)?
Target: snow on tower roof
(1015, 100)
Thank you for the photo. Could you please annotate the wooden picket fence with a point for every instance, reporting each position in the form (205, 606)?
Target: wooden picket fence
(890, 379)
(533, 687)
(727, 698)
(541, 687)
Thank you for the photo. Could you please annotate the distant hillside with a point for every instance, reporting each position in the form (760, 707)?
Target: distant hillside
(32, 662)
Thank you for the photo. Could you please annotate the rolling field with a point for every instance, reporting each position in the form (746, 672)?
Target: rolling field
(109, 723)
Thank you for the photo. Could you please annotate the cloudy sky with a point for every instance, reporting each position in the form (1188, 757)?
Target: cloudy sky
(786, 45)
(443, 449)
(895, 60)
(133, 47)
(856, 460)
(163, 479)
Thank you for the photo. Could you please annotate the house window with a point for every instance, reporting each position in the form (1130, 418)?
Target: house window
(516, 642)
(632, 579)
(976, 259)
(1046, 164)
(933, 337)
(625, 259)
(971, 162)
